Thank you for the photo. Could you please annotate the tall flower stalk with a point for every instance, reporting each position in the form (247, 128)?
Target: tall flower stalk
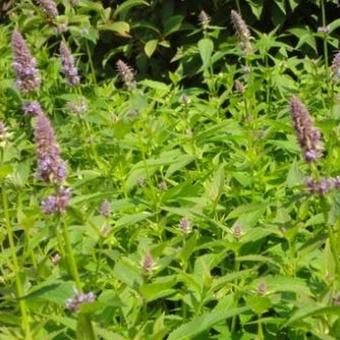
(52, 170)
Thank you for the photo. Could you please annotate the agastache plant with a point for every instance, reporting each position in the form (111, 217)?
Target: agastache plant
(309, 137)
(49, 7)
(69, 69)
(242, 31)
(24, 65)
(51, 168)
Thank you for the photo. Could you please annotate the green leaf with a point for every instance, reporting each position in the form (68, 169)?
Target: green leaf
(127, 5)
(295, 176)
(172, 24)
(334, 25)
(127, 271)
(204, 323)
(5, 170)
(307, 311)
(132, 219)
(205, 47)
(150, 47)
(159, 289)
(256, 7)
(52, 291)
(120, 27)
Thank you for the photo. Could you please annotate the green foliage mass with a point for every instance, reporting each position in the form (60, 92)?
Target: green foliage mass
(210, 231)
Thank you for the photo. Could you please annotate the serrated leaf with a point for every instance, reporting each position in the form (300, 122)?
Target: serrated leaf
(295, 176)
(205, 47)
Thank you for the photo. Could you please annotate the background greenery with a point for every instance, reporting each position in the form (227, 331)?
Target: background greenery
(259, 262)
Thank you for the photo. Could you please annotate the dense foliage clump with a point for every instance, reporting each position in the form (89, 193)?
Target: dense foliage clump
(169, 170)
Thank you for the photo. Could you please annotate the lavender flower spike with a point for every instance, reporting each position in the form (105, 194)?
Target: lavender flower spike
(49, 7)
(308, 136)
(126, 73)
(336, 66)
(242, 31)
(28, 78)
(69, 69)
(51, 168)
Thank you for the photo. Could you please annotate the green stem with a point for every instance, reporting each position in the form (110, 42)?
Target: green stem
(325, 47)
(19, 287)
(333, 244)
(238, 6)
(236, 269)
(70, 257)
(93, 71)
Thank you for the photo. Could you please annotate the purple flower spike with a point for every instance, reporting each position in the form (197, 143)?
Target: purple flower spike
(32, 108)
(28, 78)
(105, 208)
(49, 7)
(56, 203)
(308, 135)
(319, 187)
(336, 66)
(51, 168)
(69, 69)
(127, 74)
(242, 31)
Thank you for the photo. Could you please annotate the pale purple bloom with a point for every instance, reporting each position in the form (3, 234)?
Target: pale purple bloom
(162, 186)
(148, 263)
(56, 203)
(204, 19)
(242, 31)
(308, 135)
(32, 108)
(127, 74)
(320, 187)
(323, 29)
(74, 303)
(27, 75)
(69, 69)
(238, 231)
(262, 288)
(239, 86)
(78, 106)
(105, 208)
(185, 225)
(336, 65)
(336, 182)
(49, 7)
(51, 168)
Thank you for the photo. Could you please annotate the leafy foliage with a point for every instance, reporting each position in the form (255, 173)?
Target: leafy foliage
(210, 230)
